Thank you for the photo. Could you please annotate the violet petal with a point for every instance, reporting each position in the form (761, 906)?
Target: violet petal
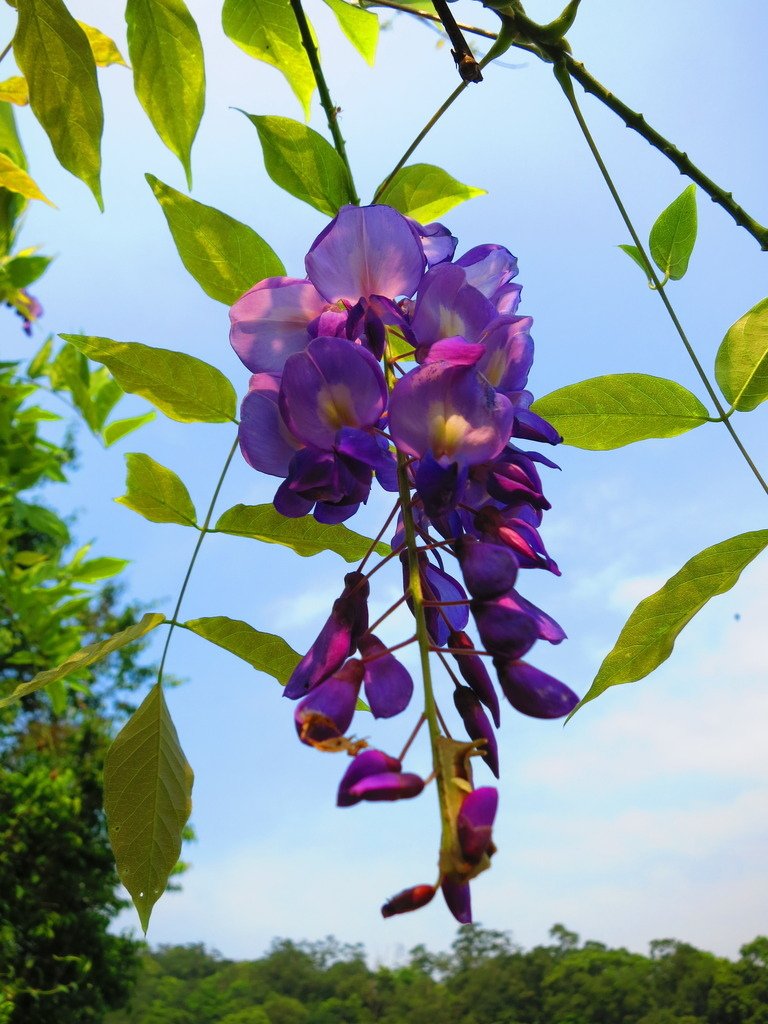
(533, 692)
(388, 684)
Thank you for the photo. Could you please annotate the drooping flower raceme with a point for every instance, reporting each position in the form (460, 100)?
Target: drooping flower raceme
(394, 364)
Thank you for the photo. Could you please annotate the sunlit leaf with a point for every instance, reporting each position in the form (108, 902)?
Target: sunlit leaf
(361, 27)
(609, 412)
(741, 366)
(40, 359)
(147, 799)
(99, 569)
(86, 656)
(156, 493)
(11, 203)
(105, 394)
(104, 49)
(264, 651)
(650, 632)
(55, 57)
(168, 71)
(25, 270)
(268, 31)
(305, 536)
(634, 254)
(425, 192)
(16, 179)
(185, 388)
(118, 429)
(14, 90)
(673, 236)
(303, 163)
(225, 257)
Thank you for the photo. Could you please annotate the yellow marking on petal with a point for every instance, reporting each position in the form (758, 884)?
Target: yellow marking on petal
(446, 433)
(336, 407)
(451, 324)
(497, 364)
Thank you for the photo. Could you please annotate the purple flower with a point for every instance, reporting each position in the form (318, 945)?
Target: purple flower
(475, 822)
(438, 243)
(409, 899)
(447, 306)
(364, 251)
(533, 692)
(388, 684)
(489, 570)
(477, 725)
(458, 899)
(326, 714)
(488, 268)
(265, 441)
(374, 775)
(269, 323)
(504, 631)
(338, 638)
(508, 355)
(474, 673)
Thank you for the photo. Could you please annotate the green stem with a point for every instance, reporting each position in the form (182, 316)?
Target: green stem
(6, 51)
(173, 621)
(561, 74)
(331, 110)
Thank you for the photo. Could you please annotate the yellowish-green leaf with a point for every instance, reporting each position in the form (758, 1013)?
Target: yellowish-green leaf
(622, 408)
(264, 651)
(426, 192)
(86, 656)
(118, 429)
(741, 366)
(14, 90)
(156, 492)
(168, 71)
(185, 388)
(673, 236)
(305, 536)
(225, 257)
(361, 27)
(268, 31)
(55, 57)
(649, 634)
(104, 49)
(16, 179)
(148, 800)
(303, 163)
(99, 569)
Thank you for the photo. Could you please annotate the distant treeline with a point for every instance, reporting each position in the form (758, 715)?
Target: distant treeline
(484, 979)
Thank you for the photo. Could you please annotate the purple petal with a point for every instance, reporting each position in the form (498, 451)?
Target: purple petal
(447, 306)
(475, 673)
(331, 515)
(368, 250)
(477, 725)
(269, 323)
(290, 504)
(388, 685)
(533, 692)
(489, 570)
(456, 351)
(438, 243)
(458, 899)
(439, 586)
(546, 627)
(333, 384)
(327, 712)
(368, 762)
(338, 638)
(265, 441)
(508, 353)
(439, 486)
(387, 786)
(475, 822)
(488, 267)
(528, 424)
(504, 631)
(451, 412)
(409, 899)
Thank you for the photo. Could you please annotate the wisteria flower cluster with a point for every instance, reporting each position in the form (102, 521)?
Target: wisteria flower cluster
(332, 407)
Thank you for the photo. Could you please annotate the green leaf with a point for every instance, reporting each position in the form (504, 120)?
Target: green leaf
(54, 55)
(303, 163)
(635, 254)
(609, 412)
(184, 388)
(16, 179)
(40, 359)
(425, 192)
(650, 632)
(269, 32)
(361, 27)
(305, 536)
(99, 569)
(265, 651)
(104, 49)
(225, 257)
(156, 493)
(11, 203)
(741, 366)
(118, 429)
(673, 236)
(25, 270)
(168, 71)
(86, 656)
(148, 800)
(105, 394)
(14, 90)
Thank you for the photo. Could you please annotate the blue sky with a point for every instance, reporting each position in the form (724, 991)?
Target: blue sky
(645, 817)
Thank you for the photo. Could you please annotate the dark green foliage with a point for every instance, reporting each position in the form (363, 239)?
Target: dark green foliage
(484, 979)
